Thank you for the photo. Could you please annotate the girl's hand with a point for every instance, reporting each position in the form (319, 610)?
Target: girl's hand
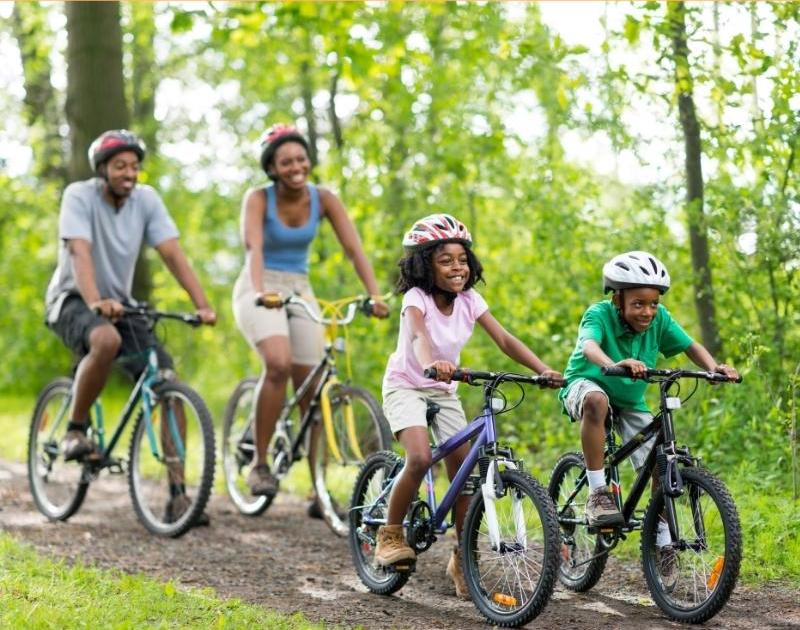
(555, 379)
(636, 368)
(444, 370)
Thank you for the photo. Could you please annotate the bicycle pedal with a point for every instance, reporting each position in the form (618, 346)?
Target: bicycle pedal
(116, 468)
(403, 567)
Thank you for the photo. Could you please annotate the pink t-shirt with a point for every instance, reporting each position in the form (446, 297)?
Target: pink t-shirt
(448, 334)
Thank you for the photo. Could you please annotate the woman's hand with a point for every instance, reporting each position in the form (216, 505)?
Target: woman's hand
(380, 309)
(207, 315)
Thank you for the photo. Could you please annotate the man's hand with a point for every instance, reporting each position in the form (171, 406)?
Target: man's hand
(207, 315)
(555, 378)
(637, 368)
(109, 308)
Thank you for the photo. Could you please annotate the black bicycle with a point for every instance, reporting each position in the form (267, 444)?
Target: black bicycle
(172, 446)
(692, 576)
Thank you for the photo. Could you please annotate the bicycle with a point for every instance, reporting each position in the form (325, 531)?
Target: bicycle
(690, 578)
(510, 542)
(182, 464)
(353, 424)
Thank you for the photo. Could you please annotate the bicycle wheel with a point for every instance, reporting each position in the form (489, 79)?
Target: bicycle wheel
(171, 465)
(359, 429)
(58, 487)
(238, 448)
(368, 512)
(511, 580)
(583, 556)
(691, 579)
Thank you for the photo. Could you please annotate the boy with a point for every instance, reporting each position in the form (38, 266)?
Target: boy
(629, 331)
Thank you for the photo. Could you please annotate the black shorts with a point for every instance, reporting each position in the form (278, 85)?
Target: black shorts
(76, 321)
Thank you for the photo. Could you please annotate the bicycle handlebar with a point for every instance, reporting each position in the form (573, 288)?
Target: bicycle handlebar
(192, 319)
(616, 370)
(364, 304)
(476, 377)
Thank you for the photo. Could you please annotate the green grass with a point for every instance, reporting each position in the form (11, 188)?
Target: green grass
(40, 593)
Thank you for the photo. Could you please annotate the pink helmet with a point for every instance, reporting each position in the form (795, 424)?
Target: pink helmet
(436, 228)
(274, 137)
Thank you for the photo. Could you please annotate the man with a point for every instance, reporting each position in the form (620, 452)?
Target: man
(102, 223)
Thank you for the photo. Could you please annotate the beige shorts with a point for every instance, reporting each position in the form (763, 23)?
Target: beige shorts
(257, 323)
(628, 421)
(407, 407)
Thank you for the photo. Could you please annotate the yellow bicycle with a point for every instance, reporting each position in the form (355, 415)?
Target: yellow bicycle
(353, 424)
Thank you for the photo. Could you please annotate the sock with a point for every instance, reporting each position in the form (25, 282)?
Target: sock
(662, 534)
(597, 479)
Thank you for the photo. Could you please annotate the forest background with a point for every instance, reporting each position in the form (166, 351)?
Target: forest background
(676, 133)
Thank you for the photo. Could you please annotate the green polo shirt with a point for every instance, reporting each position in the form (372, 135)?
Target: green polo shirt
(601, 323)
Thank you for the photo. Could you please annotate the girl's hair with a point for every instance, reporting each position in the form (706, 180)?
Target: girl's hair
(416, 269)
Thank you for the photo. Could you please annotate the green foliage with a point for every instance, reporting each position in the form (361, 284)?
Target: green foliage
(38, 593)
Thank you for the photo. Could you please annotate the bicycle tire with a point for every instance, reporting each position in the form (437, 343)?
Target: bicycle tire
(512, 584)
(706, 560)
(582, 560)
(334, 478)
(238, 418)
(377, 471)
(149, 477)
(58, 487)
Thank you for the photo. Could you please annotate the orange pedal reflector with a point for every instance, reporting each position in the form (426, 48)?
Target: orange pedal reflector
(715, 572)
(505, 600)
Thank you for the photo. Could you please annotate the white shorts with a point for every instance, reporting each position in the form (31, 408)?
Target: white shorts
(257, 323)
(406, 408)
(628, 422)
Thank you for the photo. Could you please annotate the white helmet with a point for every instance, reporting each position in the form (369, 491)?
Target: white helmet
(436, 228)
(635, 269)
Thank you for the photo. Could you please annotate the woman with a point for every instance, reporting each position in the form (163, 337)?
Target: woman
(279, 224)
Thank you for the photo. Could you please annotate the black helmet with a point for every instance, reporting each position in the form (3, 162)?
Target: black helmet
(274, 137)
(109, 143)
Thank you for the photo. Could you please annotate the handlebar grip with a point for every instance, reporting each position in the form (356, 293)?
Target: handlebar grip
(458, 374)
(615, 370)
(270, 300)
(429, 372)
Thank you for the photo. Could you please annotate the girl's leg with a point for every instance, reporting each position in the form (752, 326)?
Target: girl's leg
(418, 460)
(453, 462)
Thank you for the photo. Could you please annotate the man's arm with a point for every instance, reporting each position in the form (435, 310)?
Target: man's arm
(173, 256)
(80, 252)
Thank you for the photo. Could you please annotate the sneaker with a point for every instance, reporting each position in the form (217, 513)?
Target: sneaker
(601, 509)
(392, 547)
(177, 505)
(76, 445)
(668, 568)
(261, 481)
(456, 574)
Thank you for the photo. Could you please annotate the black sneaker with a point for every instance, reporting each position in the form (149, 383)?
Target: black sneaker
(262, 482)
(76, 445)
(177, 505)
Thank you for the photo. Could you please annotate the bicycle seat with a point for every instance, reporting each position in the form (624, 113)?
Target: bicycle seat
(431, 411)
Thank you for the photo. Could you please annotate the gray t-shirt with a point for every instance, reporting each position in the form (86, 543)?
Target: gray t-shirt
(115, 235)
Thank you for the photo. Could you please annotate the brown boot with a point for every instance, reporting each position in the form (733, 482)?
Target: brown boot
(392, 547)
(456, 574)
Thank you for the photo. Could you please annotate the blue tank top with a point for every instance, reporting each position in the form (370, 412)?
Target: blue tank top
(286, 248)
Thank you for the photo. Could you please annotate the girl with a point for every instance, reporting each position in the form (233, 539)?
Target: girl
(438, 313)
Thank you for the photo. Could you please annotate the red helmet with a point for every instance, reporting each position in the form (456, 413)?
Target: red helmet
(274, 137)
(437, 228)
(109, 143)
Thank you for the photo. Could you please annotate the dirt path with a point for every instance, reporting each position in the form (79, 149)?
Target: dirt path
(285, 561)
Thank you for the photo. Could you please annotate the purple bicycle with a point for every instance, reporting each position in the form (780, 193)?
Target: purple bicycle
(510, 543)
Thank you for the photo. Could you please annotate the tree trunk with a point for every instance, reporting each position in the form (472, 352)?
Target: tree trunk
(29, 24)
(95, 86)
(698, 231)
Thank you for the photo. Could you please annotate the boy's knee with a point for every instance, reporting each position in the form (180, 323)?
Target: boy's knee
(595, 408)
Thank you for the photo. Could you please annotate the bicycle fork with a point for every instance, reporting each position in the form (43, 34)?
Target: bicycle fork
(493, 489)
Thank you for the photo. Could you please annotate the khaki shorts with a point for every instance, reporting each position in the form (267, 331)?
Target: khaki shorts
(407, 407)
(257, 323)
(628, 422)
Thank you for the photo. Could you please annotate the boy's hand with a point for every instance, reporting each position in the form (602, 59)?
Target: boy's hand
(636, 368)
(444, 370)
(554, 378)
(727, 370)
